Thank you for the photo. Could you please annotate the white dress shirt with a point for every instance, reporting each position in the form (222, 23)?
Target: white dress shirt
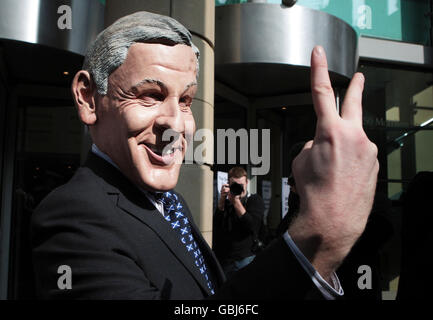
(329, 292)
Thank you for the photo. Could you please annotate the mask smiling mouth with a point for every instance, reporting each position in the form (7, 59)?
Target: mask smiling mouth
(162, 154)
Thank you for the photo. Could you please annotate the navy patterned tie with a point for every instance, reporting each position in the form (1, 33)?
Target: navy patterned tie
(174, 214)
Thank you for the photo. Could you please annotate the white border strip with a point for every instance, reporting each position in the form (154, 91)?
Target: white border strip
(395, 52)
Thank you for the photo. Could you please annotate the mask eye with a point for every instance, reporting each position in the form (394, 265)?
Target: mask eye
(185, 102)
(151, 97)
(155, 96)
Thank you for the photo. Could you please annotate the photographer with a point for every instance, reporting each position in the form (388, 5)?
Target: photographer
(237, 223)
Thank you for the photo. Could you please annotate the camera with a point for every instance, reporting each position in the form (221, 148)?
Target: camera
(236, 189)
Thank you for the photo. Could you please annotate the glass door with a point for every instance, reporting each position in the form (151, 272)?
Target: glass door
(48, 147)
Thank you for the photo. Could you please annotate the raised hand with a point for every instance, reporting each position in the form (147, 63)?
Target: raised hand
(225, 190)
(335, 174)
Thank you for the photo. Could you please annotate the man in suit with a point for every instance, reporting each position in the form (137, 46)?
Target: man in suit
(121, 232)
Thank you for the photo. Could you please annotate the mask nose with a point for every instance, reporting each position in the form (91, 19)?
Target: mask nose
(170, 122)
(170, 117)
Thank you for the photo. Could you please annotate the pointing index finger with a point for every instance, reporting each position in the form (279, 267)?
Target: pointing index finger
(321, 88)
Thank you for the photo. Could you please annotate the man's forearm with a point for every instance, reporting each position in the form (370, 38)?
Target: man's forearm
(239, 208)
(221, 204)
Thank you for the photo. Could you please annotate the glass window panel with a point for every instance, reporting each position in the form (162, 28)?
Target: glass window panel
(396, 104)
(424, 150)
(394, 190)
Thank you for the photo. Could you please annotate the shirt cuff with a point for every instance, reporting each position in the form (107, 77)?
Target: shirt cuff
(329, 292)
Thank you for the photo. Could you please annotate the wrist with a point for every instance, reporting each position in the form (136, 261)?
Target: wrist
(239, 208)
(237, 203)
(320, 251)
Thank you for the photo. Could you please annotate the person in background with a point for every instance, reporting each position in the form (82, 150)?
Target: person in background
(237, 223)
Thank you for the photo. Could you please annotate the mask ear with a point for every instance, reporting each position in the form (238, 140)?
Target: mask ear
(83, 92)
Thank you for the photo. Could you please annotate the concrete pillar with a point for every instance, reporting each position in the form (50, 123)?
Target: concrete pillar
(196, 180)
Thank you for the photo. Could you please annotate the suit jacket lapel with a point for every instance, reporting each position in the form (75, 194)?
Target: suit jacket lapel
(133, 201)
(154, 220)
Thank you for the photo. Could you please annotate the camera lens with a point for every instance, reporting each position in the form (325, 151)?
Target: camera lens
(236, 189)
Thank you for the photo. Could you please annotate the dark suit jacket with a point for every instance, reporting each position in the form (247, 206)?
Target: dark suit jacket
(119, 246)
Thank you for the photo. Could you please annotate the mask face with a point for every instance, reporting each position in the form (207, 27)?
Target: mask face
(150, 92)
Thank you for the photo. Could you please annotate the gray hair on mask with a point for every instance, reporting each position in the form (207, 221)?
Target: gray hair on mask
(109, 50)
